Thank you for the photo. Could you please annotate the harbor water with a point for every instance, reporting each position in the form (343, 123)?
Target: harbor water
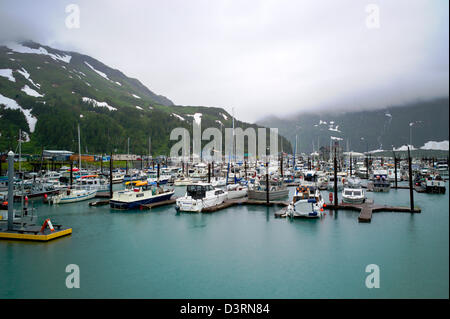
(238, 252)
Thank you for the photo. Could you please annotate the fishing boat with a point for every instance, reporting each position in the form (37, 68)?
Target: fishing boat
(72, 196)
(307, 203)
(353, 195)
(139, 193)
(380, 182)
(435, 184)
(277, 190)
(199, 196)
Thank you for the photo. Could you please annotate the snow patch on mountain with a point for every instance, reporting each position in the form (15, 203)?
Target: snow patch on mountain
(26, 75)
(95, 103)
(7, 73)
(134, 95)
(432, 145)
(139, 108)
(97, 71)
(177, 116)
(29, 91)
(11, 104)
(19, 48)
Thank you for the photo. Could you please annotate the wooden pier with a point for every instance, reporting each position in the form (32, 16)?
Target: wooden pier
(369, 207)
(243, 201)
(158, 204)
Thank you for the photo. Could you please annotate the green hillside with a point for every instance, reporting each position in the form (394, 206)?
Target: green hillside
(68, 88)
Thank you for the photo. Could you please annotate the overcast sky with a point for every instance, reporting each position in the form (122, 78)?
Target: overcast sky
(260, 57)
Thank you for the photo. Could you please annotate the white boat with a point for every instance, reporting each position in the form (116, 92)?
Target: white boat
(182, 181)
(139, 193)
(353, 195)
(72, 196)
(218, 182)
(307, 203)
(236, 191)
(435, 184)
(199, 196)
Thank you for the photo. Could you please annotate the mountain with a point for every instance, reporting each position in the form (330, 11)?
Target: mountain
(48, 92)
(368, 130)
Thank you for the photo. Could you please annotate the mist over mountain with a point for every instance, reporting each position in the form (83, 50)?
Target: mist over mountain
(384, 128)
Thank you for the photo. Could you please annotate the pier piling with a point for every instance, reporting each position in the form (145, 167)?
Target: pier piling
(110, 176)
(10, 190)
(411, 194)
(335, 180)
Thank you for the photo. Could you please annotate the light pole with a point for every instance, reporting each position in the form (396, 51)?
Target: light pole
(410, 130)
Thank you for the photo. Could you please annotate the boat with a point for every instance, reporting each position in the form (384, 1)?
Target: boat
(236, 191)
(139, 193)
(94, 182)
(306, 203)
(380, 182)
(442, 169)
(353, 195)
(435, 184)
(277, 190)
(182, 181)
(200, 195)
(72, 195)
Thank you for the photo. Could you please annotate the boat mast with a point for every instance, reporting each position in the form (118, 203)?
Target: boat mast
(79, 149)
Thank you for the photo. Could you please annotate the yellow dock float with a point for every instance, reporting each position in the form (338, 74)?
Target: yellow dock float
(33, 233)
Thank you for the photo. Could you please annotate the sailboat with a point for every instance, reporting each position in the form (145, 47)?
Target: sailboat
(75, 194)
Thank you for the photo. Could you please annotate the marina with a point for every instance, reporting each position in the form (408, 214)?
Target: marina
(218, 158)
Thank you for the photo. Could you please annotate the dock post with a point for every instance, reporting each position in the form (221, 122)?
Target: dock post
(335, 180)
(209, 173)
(157, 175)
(110, 176)
(281, 165)
(395, 171)
(71, 173)
(267, 183)
(10, 190)
(1, 165)
(351, 173)
(126, 167)
(367, 167)
(245, 169)
(411, 195)
(212, 169)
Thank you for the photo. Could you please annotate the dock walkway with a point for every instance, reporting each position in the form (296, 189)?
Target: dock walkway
(370, 207)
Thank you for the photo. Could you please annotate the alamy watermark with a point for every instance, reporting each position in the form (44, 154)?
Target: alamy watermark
(73, 18)
(234, 143)
(373, 279)
(73, 279)
(373, 17)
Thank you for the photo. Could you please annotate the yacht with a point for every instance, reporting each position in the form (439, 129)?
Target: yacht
(199, 196)
(139, 193)
(307, 202)
(72, 196)
(353, 195)
(277, 190)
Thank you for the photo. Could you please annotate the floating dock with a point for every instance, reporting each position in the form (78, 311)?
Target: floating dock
(242, 201)
(33, 233)
(158, 204)
(366, 209)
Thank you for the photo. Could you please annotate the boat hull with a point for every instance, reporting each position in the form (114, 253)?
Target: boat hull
(273, 195)
(137, 204)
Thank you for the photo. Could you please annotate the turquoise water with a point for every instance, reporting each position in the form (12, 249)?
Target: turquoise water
(240, 252)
